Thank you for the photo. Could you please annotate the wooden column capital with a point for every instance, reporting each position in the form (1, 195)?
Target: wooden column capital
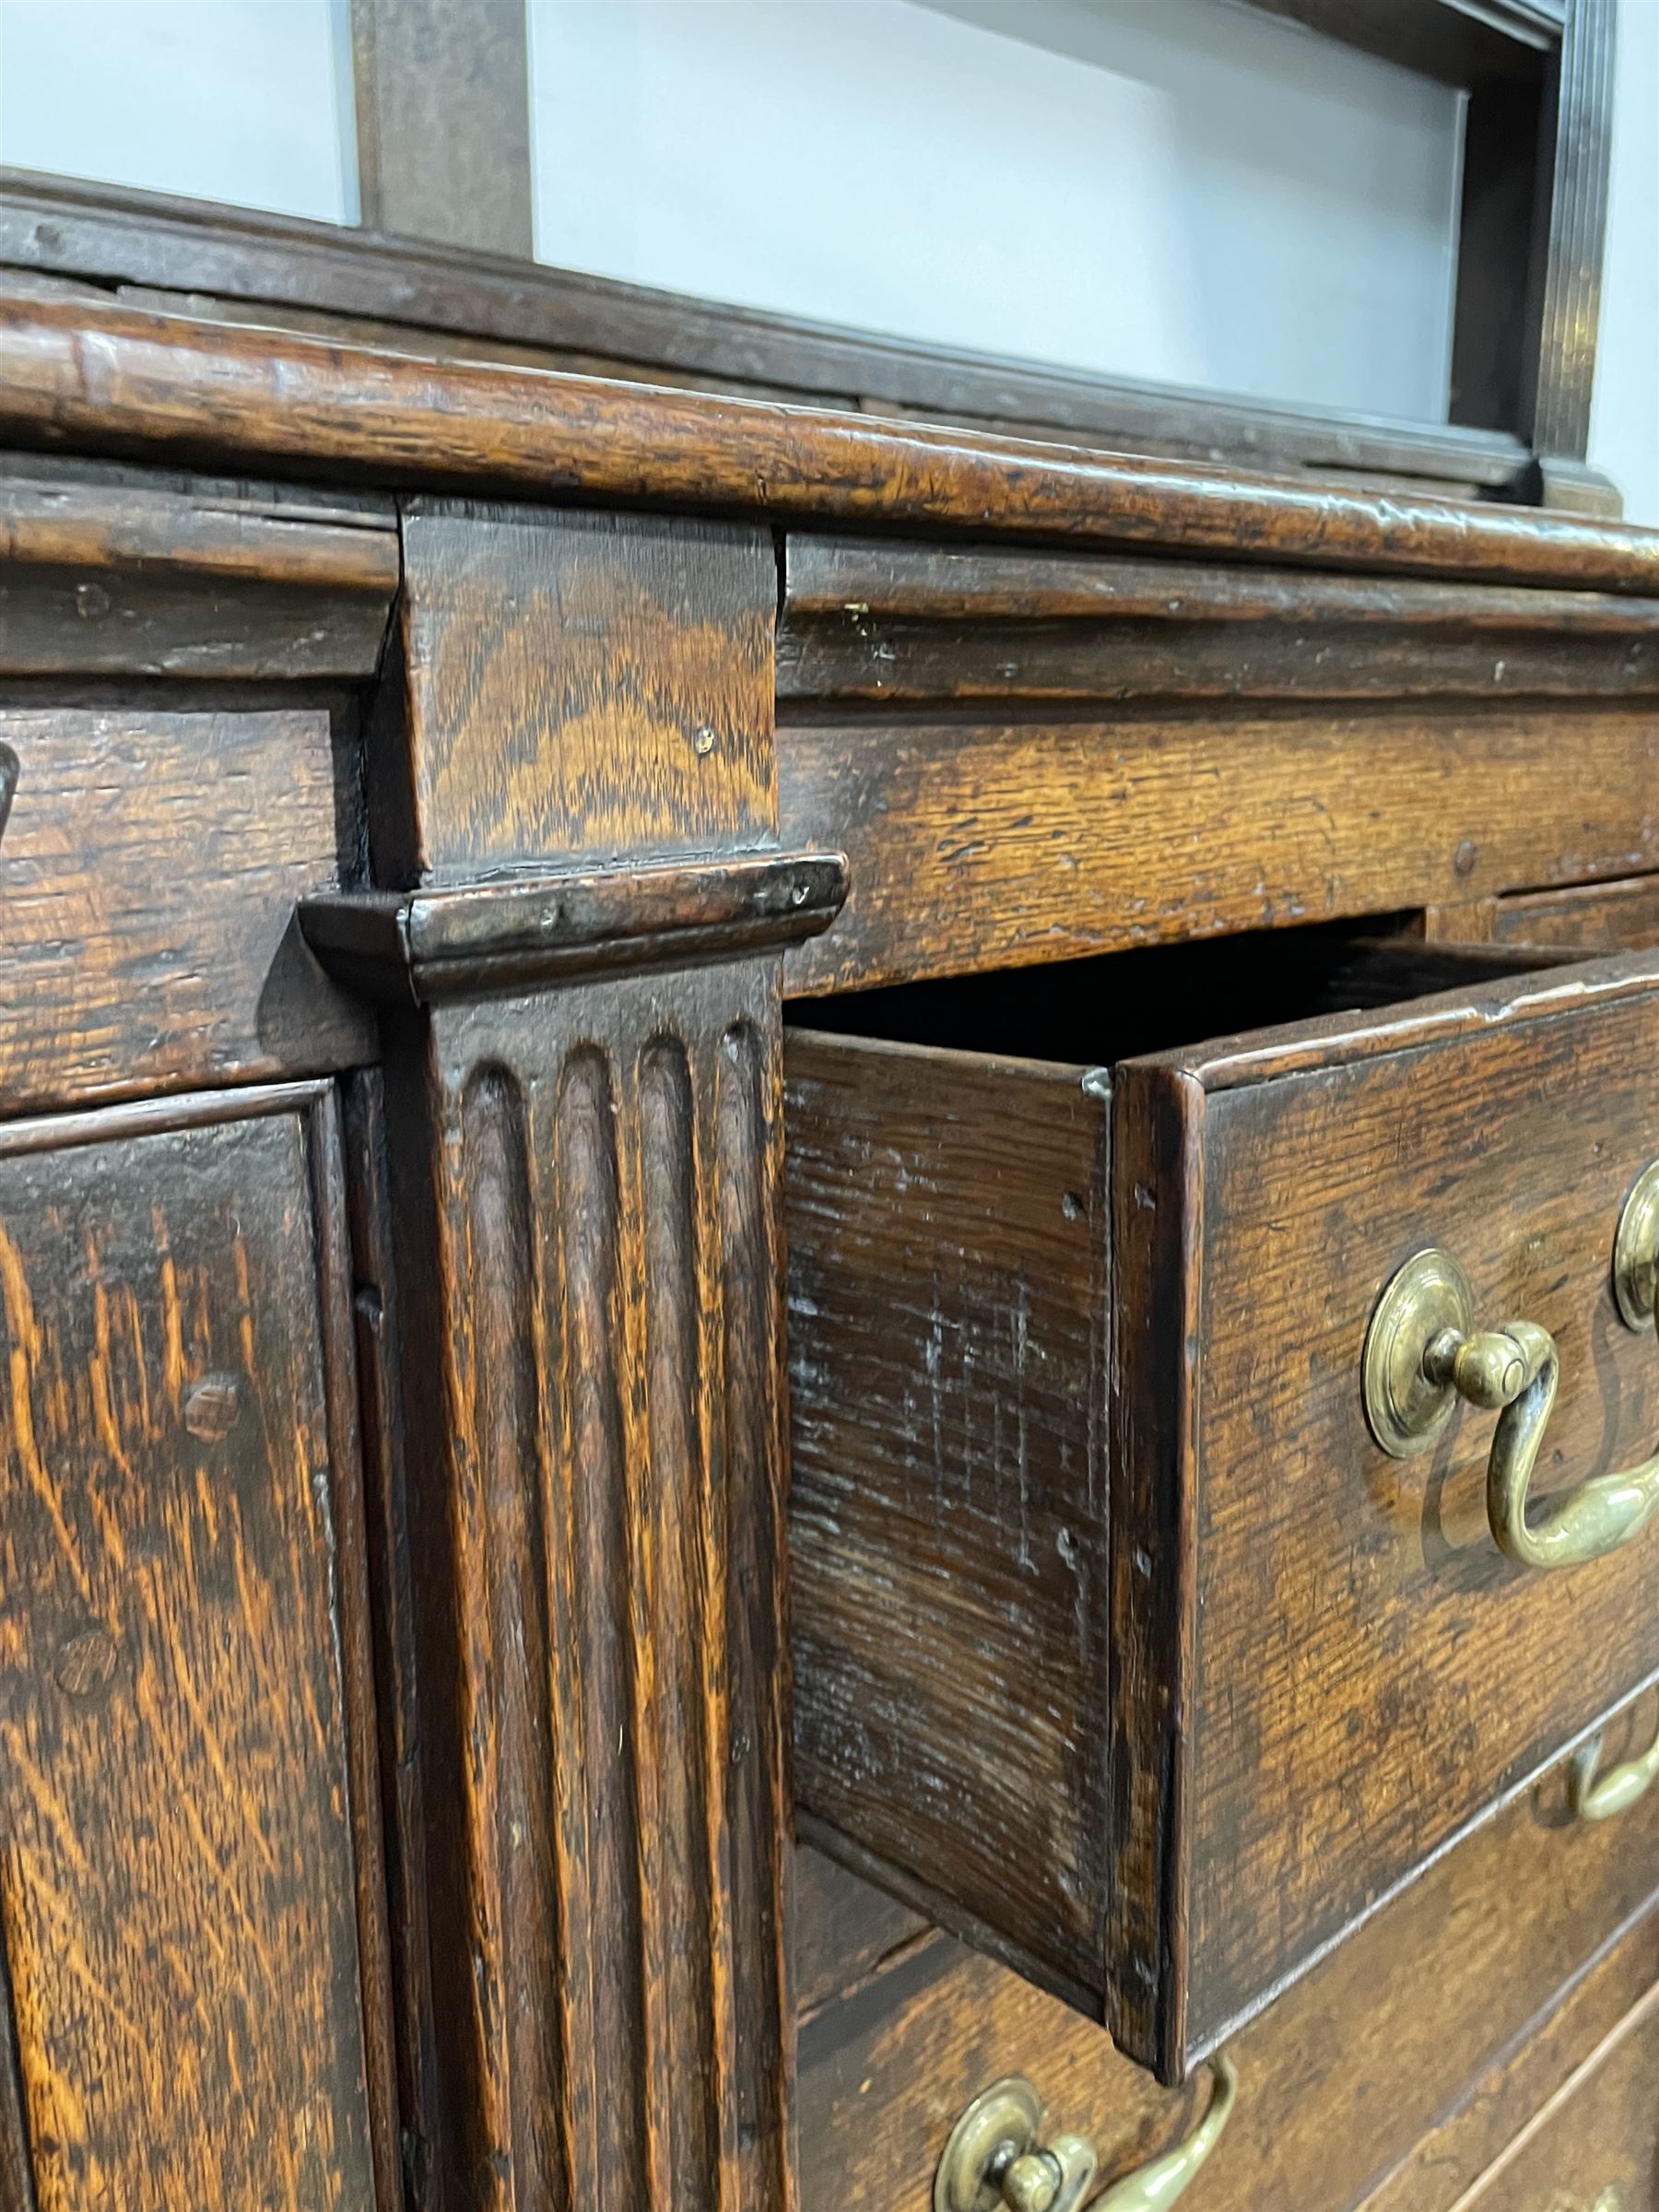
(575, 781)
(470, 940)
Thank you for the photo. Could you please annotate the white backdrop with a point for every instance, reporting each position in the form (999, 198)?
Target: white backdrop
(1624, 415)
(245, 101)
(1178, 189)
(1184, 191)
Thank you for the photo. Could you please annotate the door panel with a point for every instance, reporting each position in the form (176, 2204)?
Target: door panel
(184, 1822)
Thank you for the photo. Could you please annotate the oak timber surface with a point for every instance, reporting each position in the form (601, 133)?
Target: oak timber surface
(534, 1262)
(150, 869)
(980, 841)
(625, 665)
(1595, 2147)
(403, 293)
(104, 378)
(376, 1312)
(947, 1219)
(844, 1931)
(1389, 2078)
(1307, 1655)
(1598, 916)
(587, 1241)
(886, 619)
(134, 579)
(178, 1895)
(1326, 1669)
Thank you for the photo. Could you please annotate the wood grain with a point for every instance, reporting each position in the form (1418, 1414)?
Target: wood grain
(1604, 917)
(976, 844)
(1312, 1639)
(198, 2003)
(148, 876)
(111, 379)
(612, 2020)
(100, 580)
(949, 1263)
(354, 1637)
(843, 1931)
(1387, 2080)
(1272, 1588)
(886, 620)
(1558, 363)
(512, 933)
(587, 1243)
(392, 1612)
(1595, 2147)
(596, 751)
(1475, 2129)
(1586, 917)
(263, 267)
(1505, 202)
(442, 96)
(947, 1230)
(450, 281)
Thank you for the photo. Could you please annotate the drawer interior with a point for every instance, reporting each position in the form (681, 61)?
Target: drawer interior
(1159, 997)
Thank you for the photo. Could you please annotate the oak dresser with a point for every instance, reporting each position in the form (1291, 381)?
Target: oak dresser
(723, 1120)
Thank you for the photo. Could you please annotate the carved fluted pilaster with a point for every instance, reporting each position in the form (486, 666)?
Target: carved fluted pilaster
(583, 1101)
(606, 1219)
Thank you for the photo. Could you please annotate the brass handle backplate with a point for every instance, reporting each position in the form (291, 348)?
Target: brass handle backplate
(994, 2162)
(1423, 1353)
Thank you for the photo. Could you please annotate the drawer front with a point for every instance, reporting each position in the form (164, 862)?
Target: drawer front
(149, 868)
(1599, 917)
(188, 1871)
(1595, 2147)
(977, 841)
(1389, 2078)
(1121, 1648)
(1328, 1669)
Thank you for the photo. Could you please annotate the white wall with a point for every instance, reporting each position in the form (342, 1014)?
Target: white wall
(1186, 191)
(244, 100)
(1624, 415)
(1172, 189)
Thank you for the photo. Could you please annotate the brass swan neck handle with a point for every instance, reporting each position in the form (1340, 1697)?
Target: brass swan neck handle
(1164, 2180)
(1423, 1353)
(994, 2162)
(1591, 1797)
(1518, 1368)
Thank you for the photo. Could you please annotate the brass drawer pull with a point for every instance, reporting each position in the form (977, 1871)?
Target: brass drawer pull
(1618, 1789)
(1423, 1353)
(993, 2161)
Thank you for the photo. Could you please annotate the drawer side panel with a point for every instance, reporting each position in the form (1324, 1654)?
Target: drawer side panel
(947, 1263)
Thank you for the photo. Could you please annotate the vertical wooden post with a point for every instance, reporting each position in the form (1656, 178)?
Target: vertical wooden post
(584, 1137)
(1537, 162)
(1559, 365)
(442, 92)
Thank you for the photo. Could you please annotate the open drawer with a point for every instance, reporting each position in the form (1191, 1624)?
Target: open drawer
(1122, 1645)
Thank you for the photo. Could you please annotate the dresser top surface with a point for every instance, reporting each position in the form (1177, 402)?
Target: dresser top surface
(77, 375)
